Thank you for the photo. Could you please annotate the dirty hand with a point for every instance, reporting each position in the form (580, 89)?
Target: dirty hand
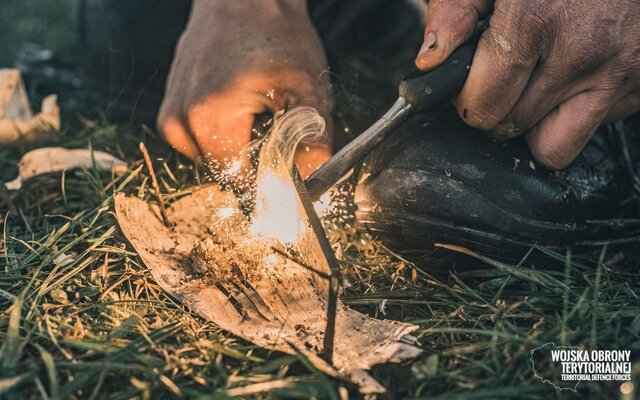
(553, 69)
(237, 59)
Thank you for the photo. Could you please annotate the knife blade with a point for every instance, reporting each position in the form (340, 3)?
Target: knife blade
(419, 92)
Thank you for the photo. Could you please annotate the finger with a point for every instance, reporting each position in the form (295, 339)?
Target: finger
(177, 136)
(558, 76)
(221, 129)
(624, 107)
(545, 90)
(501, 69)
(449, 24)
(561, 135)
(309, 157)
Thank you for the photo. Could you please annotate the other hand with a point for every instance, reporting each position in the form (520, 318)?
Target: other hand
(554, 70)
(237, 59)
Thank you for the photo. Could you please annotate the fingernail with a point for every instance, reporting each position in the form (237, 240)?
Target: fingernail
(506, 129)
(430, 43)
(431, 40)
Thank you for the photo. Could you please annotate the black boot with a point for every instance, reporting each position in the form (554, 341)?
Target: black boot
(438, 180)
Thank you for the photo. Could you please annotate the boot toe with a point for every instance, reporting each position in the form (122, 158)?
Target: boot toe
(438, 180)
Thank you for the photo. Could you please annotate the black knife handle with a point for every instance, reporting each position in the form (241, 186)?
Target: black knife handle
(428, 91)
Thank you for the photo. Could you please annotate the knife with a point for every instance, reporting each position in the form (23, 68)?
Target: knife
(419, 92)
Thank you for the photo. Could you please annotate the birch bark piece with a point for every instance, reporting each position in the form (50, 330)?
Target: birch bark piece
(17, 123)
(285, 307)
(53, 159)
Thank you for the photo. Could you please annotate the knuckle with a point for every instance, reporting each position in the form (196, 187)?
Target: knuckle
(456, 19)
(587, 52)
(462, 22)
(624, 75)
(588, 40)
(521, 28)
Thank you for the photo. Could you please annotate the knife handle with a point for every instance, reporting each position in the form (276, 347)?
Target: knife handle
(426, 91)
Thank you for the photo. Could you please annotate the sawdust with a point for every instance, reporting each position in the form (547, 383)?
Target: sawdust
(227, 262)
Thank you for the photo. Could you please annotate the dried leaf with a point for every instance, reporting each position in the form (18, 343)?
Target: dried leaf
(54, 159)
(17, 123)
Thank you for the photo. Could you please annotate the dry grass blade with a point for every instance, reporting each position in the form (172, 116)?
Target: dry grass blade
(156, 187)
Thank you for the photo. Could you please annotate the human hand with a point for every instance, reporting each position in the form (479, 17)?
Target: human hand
(554, 70)
(237, 59)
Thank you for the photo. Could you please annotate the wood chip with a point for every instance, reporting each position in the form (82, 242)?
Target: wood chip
(18, 125)
(47, 160)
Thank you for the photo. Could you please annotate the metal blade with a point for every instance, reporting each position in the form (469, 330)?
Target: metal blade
(330, 257)
(330, 173)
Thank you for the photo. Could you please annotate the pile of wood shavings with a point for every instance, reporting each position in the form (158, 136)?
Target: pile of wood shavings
(228, 262)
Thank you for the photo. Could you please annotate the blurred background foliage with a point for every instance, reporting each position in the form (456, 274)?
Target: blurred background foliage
(48, 23)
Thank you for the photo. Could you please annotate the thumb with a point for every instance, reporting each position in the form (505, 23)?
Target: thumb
(450, 23)
(310, 157)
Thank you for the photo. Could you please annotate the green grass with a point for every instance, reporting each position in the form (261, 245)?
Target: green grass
(100, 327)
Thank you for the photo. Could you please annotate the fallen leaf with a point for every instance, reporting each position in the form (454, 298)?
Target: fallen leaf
(46, 160)
(18, 125)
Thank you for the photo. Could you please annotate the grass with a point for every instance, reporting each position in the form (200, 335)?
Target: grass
(81, 317)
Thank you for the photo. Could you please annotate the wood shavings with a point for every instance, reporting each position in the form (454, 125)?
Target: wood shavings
(226, 264)
(18, 125)
(53, 159)
(62, 260)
